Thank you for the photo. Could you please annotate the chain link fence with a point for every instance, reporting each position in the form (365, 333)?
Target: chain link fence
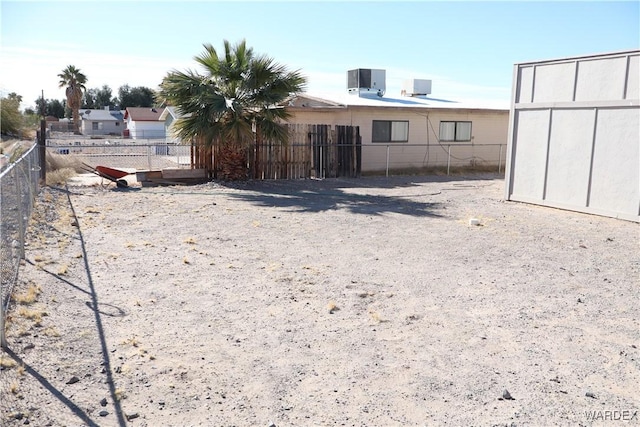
(139, 154)
(306, 159)
(19, 184)
(400, 158)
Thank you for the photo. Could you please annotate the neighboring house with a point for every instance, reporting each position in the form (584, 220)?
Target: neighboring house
(169, 117)
(574, 139)
(144, 123)
(411, 130)
(101, 122)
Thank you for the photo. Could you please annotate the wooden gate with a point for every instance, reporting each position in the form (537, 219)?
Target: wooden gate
(313, 151)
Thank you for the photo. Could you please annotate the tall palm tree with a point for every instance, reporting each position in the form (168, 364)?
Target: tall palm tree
(237, 100)
(74, 80)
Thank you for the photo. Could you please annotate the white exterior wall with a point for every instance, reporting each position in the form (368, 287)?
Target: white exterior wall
(145, 129)
(108, 127)
(574, 135)
(169, 130)
(422, 150)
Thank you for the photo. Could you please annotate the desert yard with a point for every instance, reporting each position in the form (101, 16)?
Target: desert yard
(350, 302)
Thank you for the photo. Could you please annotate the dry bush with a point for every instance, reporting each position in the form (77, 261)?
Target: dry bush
(29, 296)
(35, 315)
(61, 161)
(6, 363)
(60, 176)
(62, 167)
(28, 134)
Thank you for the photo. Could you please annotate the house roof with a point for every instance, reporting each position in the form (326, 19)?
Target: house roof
(173, 111)
(345, 99)
(143, 114)
(100, 115)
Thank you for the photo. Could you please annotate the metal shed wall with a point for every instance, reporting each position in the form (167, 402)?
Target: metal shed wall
(574, 134)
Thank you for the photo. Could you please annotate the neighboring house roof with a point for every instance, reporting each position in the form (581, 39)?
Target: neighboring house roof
(344, 100)
(101, 115)
(143, 114)
(169, 111)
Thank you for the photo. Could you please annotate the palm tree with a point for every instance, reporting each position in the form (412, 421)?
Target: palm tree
(236, 101)
(74, 80)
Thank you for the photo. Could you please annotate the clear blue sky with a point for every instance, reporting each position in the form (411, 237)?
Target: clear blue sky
(467, 49)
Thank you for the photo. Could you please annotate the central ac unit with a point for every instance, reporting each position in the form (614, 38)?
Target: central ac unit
(363, 80)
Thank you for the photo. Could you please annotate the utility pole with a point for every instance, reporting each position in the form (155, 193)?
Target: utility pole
(42, 142)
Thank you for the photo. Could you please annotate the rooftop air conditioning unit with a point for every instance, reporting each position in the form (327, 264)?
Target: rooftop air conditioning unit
(365, 81)
(416, 87)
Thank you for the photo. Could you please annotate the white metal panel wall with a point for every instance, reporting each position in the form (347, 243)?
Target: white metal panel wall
(616, 192)
(532, 134)
(569, 156)
(601, 79)
(574, 134)
(554, 83)
(633, 85)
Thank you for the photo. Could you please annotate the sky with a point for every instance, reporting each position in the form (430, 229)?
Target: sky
(466, 48)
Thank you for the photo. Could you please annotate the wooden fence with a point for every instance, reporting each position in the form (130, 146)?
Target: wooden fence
(313, 151)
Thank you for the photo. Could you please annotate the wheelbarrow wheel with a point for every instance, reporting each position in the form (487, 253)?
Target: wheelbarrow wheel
(122, 183)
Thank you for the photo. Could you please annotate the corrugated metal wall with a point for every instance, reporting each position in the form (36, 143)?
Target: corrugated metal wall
(574, 134)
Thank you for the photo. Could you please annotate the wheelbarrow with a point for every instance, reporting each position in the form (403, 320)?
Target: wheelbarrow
(114, 175)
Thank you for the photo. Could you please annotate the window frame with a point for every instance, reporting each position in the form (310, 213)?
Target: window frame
(389, 132)
(456, 138)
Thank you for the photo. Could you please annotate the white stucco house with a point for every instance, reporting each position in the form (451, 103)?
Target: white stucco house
(574, 134)
(168, 117)
(101, 122)
(411, 129)
(144, 123)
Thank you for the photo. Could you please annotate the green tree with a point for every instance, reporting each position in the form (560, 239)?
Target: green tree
(10, 117)
(50, 107)
(74, 81)
(56, 108)
(99, 98)
(41, 106)
(104, 97)
(89, 99)
(238, 101)
(139, 96)
(15, 97)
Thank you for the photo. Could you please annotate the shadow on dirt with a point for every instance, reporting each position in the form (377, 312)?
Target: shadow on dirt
(75, 409)
(23, 409)
(358, 195)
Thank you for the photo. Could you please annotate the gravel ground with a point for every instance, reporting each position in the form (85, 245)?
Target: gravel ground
(368, 302)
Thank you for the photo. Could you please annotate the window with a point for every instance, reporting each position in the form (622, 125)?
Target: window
(455, 131)
(96, 125)
(389, 131)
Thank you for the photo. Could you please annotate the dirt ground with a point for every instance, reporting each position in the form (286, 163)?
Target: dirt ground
(355, 302)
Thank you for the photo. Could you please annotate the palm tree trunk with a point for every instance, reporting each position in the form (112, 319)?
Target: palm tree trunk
(76, 120)
(233, 162)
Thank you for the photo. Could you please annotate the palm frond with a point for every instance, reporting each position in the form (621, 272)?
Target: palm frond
(236, 92)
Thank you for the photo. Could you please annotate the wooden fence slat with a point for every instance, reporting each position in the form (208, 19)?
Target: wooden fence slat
(318, 150)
